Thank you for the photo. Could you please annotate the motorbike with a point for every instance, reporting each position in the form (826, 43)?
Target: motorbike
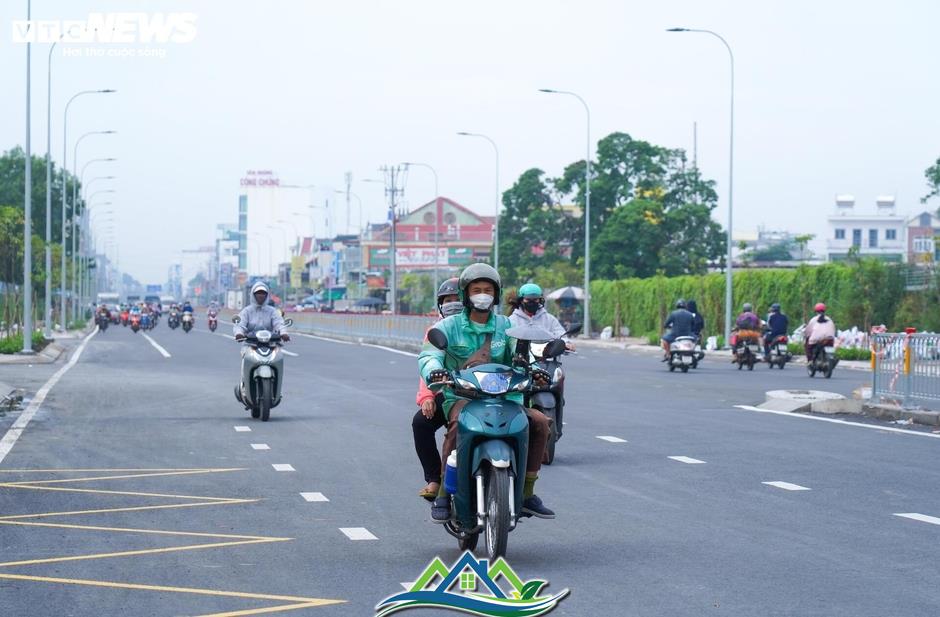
(683, 354)
(146, 321)
(824, 359)
(549, 399)
(213, 321)
(187, 321)
(747, 351)
(779, 352)
(135, 321)
(173, 319)
(115, 316)
(492, 445)
(102, 319)
(125, 315)
(262, 372)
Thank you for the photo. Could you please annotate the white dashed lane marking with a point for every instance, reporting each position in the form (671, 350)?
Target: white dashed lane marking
(242, 429)
(687, 460)
(283, 467)
(156, 345)
(260, 446)
(787, 486)
(314, 497)
(358, 533)
(923, 518)
(611, 439)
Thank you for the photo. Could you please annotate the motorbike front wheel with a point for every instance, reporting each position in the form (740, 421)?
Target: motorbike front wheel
(265, 396)
(469, 542)
(497, 512)
(552, 438)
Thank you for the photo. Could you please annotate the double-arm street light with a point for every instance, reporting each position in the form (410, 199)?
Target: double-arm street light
(496, 227)
(587, 211)
(728, 268)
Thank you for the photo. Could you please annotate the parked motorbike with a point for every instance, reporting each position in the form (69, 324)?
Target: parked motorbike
(173, 319)
(213, 321)
(549, 399)
(779, 352)
(135, 321)
(187, 321)
(492, 445)
(747, 352)
(262, 372)
(824, 359)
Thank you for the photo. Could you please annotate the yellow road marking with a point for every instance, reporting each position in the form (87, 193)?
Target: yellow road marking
(122, 477)
(98, 470)
(270, 609)
(134, 509)
(39, 487)
(149, 551)
(193, 590)
(135, 530)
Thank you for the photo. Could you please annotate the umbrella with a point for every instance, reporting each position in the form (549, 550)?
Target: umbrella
(370, 301)
(566, 293)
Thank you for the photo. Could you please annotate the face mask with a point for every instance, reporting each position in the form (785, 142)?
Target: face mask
(482, 302)
(531, 306)
(451, 308)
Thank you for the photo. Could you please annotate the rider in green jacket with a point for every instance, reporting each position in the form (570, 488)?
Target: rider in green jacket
(466, 334)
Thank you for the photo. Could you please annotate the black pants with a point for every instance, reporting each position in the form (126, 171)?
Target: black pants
(425, 443)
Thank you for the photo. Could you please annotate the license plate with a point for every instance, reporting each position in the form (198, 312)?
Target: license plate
(830, 349)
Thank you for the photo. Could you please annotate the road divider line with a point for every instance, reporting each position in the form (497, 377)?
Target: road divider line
(242, 429)
(156, 346)
(14, 432)
(687, 460)
(260, 446)
(611, 439)
(787, 486)
(835, 421)
(283, 467)
(314, 497)
(323, 338)
(358, 533)
(923, 518)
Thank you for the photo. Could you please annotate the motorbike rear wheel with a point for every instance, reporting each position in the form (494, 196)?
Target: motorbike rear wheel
(265, 396)
(827, 372)
(496, 526)
(552, 438)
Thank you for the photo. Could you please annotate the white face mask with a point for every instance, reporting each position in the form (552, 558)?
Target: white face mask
(451, 308)
(482, 302)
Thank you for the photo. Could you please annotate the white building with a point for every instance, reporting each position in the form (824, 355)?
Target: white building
(881, 234)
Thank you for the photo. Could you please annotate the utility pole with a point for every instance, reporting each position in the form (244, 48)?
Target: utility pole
(393, 192)
(348, 177)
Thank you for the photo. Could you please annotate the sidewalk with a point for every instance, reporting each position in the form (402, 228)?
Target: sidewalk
(642, 346)
(61, 341)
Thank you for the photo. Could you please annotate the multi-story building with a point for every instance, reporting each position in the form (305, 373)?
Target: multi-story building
(923, 230)
(881, 234)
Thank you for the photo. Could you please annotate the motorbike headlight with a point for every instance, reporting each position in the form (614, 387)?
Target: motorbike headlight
(493, 383)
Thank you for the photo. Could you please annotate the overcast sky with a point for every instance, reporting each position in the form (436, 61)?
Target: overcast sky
(832, 97)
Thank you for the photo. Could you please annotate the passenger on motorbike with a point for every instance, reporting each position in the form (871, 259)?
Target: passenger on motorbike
(187, 307)
(819, 330)
(698, 322)
(477, 335)
(678, 323)
(778, 324)
(530, 311)
(430, 415)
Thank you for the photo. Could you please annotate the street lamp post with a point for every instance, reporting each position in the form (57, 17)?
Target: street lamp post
(729, 281)
(437, 217)
(496, 234)
(27, 206)
(47, 330)
(587, 212)
(83, 239)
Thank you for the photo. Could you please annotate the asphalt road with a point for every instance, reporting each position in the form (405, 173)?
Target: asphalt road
(144, 499)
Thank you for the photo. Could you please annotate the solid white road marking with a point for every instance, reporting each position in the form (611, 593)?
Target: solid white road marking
(914, 516)
(156, 346)
(242, 429)
(260, 446)
(835, 421)
(323, 338)
(358, 533)
(687, 460)
(314, 497)
(9, 439)
(398, 351)
(611, 439)
(787, 486)
(289, 353)
(283, 467)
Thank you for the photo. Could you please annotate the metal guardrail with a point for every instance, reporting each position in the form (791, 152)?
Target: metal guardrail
(906, 367)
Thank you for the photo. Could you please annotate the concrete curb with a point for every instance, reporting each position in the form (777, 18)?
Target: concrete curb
(896, 413)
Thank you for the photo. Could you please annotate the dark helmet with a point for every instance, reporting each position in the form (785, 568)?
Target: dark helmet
(477, 272)
(450, 287)
(747, 307)
(775, 307)
(680, 303)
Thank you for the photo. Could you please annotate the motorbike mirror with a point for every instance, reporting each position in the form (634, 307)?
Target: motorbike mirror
(437, 338)
(236, 319)
(555, 348)
(574, 330)
(288, 322)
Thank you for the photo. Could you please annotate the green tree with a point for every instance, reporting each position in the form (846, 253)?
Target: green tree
(803, 241)
(933, 182)
(775, 252)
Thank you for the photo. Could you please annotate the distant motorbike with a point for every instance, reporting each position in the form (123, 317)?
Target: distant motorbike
(492, 445)
(146, 321)
(824, 359)
(187, 321)
(779, 352)
(125, 315)
(102, 319)
(747, 351)
(173, 319)
(135, 321)
(549, 399)
(213, 320)
(262, 372)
